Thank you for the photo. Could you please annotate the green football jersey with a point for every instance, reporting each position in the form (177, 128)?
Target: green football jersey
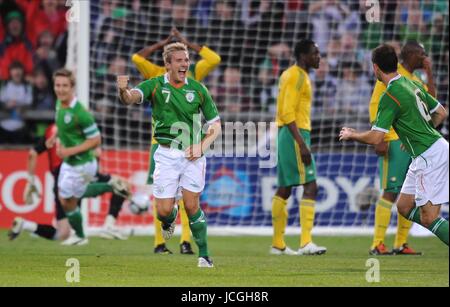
(75, 124)
(407, 106)
(176, 112)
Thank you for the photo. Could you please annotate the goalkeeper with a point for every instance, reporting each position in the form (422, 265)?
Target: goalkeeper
(104, 183)
(210, 60)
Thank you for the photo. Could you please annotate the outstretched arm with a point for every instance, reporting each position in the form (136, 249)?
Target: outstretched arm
(371, 137)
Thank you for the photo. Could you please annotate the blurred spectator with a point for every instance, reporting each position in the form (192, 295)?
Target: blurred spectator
(2, 30)
(182, 18)
(112, 40)
(226, 32)
(333, 55)
(231, 96)
(353, 90)
(15, 47)
(267, 31)
(45, 15)
(412, 25)
(106, 9)
(43, 98)
(45, 53)
(269, 72)
(252, 11)
(330, 17)
(15, 97)
(203, 11)
(325, 86)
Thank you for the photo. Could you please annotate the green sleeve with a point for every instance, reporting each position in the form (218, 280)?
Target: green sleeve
(87, 124)
(387, 112)
(208, 106)
(146, 88)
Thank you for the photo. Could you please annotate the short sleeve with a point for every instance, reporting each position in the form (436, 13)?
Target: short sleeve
(208, 107)
(88, 125)
(145, 88)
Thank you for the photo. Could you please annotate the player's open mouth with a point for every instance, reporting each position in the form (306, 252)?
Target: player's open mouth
(182, 73)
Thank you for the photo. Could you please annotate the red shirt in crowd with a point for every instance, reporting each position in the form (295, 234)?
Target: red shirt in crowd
(21, 51)
(37, 20)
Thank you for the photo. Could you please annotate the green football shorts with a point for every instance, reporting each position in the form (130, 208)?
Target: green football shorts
(290, 169)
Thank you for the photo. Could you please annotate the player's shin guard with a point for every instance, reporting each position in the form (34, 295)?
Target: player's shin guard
(46, 231)
(403, 227)
(307, 212)
(158, 232)
(382, 218)
(199, 232)
(279, 221)
(76, 221)
(185, 230)
(440, 228)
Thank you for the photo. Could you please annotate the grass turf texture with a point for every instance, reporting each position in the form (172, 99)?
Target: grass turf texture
(239, 261)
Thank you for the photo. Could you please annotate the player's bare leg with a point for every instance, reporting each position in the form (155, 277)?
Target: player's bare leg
(167, 214)
(427, 215)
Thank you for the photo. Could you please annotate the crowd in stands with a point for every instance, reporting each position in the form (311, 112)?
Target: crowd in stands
(253, 37)
(33, 36)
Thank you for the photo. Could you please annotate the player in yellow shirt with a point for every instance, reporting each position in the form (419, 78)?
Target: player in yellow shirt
(210, 60)
(393, 162)
(296, 165)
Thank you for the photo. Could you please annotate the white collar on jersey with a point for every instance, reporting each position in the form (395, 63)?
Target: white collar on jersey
(167, 79)
(395, 78)
(73, 102)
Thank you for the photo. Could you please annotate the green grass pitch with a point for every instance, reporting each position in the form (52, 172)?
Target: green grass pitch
(240, 262)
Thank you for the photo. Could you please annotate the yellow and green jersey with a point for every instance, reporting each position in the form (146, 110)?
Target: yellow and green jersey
(75, 125)
(378, 91)
(294, 98)
(406, 106)
(177, 111)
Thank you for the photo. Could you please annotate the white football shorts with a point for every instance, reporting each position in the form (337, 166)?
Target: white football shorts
(427, 178)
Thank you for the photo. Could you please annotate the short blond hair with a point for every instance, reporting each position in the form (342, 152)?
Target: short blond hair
(171, 48)
(63, 72)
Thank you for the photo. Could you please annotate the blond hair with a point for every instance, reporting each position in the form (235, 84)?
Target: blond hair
(171, 48)
(63, 72)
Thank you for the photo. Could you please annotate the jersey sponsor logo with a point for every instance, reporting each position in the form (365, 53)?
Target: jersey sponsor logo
(190, 97)
(67, 118)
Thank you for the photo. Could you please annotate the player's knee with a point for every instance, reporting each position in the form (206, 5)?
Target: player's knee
(310, 190)
(283, 192)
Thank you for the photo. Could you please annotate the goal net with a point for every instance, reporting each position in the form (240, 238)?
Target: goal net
(254, 40)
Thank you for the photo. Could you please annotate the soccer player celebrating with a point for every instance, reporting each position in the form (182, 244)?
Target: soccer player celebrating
(296, 165)
(104, 183)
(414, 114)
(177, 102)
(393, 161)
(148, 70)
(78, 137)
